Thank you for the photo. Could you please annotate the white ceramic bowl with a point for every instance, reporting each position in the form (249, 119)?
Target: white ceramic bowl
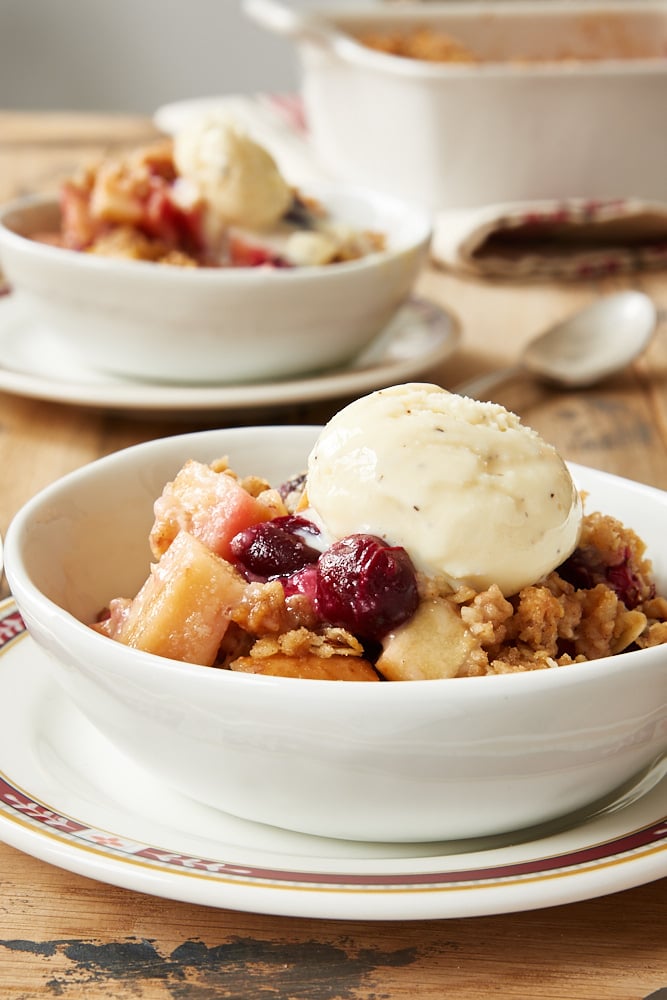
(213, 325)
(401, 761)
(460, 135)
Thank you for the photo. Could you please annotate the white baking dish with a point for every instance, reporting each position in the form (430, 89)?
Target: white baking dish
(568, 99)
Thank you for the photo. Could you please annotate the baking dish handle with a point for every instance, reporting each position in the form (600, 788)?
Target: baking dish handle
(285, 20)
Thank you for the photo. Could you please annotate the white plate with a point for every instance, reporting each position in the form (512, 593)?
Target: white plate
(420, 336)
(68, 797)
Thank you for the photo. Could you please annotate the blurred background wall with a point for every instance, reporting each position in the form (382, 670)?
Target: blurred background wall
(133, 55)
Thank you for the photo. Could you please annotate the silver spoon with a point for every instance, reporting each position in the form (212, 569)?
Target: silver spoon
(583, 349)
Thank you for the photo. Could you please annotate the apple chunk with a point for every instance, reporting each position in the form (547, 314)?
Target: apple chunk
(434, 643)
(183, 609)
(210, 505)
(331, 668)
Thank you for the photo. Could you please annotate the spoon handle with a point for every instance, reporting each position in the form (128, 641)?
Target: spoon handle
(479, 387)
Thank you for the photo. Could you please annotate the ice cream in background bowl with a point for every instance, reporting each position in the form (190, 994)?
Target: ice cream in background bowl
(473, 494)
(237, 178)
(248, 210)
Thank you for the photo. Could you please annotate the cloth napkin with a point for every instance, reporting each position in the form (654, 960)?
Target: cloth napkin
(573, 239)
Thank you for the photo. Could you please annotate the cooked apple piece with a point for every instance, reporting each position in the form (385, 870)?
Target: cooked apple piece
(183, 609)
(210, 505)
(434, 643)
(318, 668)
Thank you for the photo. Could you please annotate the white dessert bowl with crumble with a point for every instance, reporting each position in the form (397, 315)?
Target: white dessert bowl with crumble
(141, 272)
(461, 756)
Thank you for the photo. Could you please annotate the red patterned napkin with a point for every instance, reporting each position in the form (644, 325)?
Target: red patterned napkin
(575, 239)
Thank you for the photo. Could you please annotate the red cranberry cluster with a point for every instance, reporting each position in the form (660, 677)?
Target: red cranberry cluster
(359, 583)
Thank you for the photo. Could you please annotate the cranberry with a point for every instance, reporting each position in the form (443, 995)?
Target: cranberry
(273, 549)
(294, 485)
(626, 582)
(585, 568)
(244, 254)
(366, 586)
(304, 582)
(299, 214)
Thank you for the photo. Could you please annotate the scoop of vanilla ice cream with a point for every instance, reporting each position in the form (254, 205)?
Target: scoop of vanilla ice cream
(237, 178)
(469, 491)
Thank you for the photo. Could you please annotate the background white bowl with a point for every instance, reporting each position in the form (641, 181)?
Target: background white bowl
(212, 325)
(409, 761)
(460, 135)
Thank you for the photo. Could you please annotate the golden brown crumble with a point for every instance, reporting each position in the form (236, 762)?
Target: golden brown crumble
(330, 641)
(424, 43)
(549, 624)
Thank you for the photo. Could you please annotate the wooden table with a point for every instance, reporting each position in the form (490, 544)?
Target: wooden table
(62, 935)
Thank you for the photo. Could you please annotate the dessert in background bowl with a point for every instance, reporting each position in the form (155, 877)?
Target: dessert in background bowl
(508, 732)
(196, 262)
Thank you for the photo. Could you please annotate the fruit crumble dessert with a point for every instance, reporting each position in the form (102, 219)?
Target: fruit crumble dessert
(211, 197)
(591, 38)
(424, 43)
(430, 536)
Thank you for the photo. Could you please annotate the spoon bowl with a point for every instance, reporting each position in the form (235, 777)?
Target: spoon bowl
(587, 347)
